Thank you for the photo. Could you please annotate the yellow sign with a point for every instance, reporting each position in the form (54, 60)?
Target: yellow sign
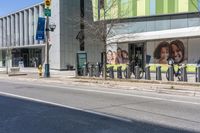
(47, 3)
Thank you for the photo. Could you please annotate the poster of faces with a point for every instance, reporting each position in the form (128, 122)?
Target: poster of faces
(117, 54)
(175, 49)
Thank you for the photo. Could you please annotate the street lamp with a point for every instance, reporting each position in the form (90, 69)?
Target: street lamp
(49, 27)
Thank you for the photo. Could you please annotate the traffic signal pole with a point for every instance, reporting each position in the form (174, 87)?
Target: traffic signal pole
(47, 66)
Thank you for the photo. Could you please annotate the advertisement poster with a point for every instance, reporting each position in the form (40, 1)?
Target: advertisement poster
(117, 54)
(175, 49)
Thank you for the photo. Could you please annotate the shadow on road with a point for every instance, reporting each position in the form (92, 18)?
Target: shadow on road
(24, 116)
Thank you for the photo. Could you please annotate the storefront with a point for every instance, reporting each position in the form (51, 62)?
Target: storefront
(24, 57)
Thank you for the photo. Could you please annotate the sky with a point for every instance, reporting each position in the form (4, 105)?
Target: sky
(10, 6)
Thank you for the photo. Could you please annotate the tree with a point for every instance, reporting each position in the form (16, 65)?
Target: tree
(105, 17)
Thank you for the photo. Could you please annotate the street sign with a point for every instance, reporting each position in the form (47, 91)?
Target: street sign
(47, 12)
(47, 3)
(40, 29)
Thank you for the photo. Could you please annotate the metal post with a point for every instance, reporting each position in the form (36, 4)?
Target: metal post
(147, 73)
(47, 66)
(119, 72)
(137, 72)
(184, 73)
(111, 72)
(158, 73)
(127, 72)
(171, 73)
(97, 70)
(90, 70)
(198, 73)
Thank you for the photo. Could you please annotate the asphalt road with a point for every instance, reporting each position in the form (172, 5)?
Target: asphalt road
(32, 108)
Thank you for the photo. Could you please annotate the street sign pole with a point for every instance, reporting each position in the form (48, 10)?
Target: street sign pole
(47, 65)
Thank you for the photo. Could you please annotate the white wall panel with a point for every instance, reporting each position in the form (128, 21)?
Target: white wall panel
(1, 32)
(21, 28)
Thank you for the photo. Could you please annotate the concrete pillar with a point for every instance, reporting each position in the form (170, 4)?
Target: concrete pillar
(25, 27)
(1, 33)
(21, 28)
(30, 26)
(17, 30)
(8, 42)
(4, 32)
(12, 30)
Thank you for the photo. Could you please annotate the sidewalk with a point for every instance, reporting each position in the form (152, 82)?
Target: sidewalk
(68, 78)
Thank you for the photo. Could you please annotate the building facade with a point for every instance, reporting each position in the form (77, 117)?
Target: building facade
(18, 44)
(152, 30)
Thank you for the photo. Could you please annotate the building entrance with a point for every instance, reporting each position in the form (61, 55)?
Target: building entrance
(136, 54)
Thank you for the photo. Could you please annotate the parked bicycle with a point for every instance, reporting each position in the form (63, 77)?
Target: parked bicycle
(176, 72)
(132, 71)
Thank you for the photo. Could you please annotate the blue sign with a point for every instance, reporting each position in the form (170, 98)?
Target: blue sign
(40, 29)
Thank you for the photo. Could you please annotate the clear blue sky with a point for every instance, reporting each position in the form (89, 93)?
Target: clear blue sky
(9, 6)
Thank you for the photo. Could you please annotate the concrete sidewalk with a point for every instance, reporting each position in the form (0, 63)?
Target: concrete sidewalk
(68, 78)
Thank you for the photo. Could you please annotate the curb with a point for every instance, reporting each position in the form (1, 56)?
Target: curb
(142, 81)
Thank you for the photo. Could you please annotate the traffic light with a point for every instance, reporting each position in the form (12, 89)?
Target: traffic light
(47, 3)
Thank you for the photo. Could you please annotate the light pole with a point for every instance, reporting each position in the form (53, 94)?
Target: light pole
(48, 29)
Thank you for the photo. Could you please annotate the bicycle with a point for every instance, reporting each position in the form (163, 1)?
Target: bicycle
(131, 70)
(177, 73)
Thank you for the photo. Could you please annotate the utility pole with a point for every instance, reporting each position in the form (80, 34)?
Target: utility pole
(47, 14)
(47, 65)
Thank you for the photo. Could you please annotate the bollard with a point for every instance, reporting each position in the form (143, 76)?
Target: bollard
(127, 72)
(147, 73)
(119, 72)
(97, 70)
(85, 69)
(170, 72)
(198, 73)
(184, 73)
(137, 72)
(111, 72)
(158, 73)
(90, 70)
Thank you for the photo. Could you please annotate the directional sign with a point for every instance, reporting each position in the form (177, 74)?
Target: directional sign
(40, 29)
(47, 12)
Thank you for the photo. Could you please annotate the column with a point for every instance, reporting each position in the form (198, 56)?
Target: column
(12, 29)
(25, 28)
(21, 29)
(4, 32)
(8, 42)
(17, 30)
(1, 33)
(30, 26)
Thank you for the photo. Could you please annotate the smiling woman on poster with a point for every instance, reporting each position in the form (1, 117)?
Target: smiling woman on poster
(177, 51)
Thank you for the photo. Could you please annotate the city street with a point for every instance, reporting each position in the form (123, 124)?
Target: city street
(57, 108)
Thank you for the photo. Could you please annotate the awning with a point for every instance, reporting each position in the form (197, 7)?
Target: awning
(156, 35)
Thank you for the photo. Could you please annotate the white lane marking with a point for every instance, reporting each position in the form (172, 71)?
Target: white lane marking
(107, 92)
(65, 106)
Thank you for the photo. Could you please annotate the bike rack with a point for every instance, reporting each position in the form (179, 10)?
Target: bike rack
(171, 73)
(137, 72)
(158, 73)
(198, 73)
(147, 73)
(184, 74)
(119, 72)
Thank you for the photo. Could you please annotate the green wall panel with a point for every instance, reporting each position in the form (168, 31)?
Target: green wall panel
(159, 7)
(134, 8)
(193, 5)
